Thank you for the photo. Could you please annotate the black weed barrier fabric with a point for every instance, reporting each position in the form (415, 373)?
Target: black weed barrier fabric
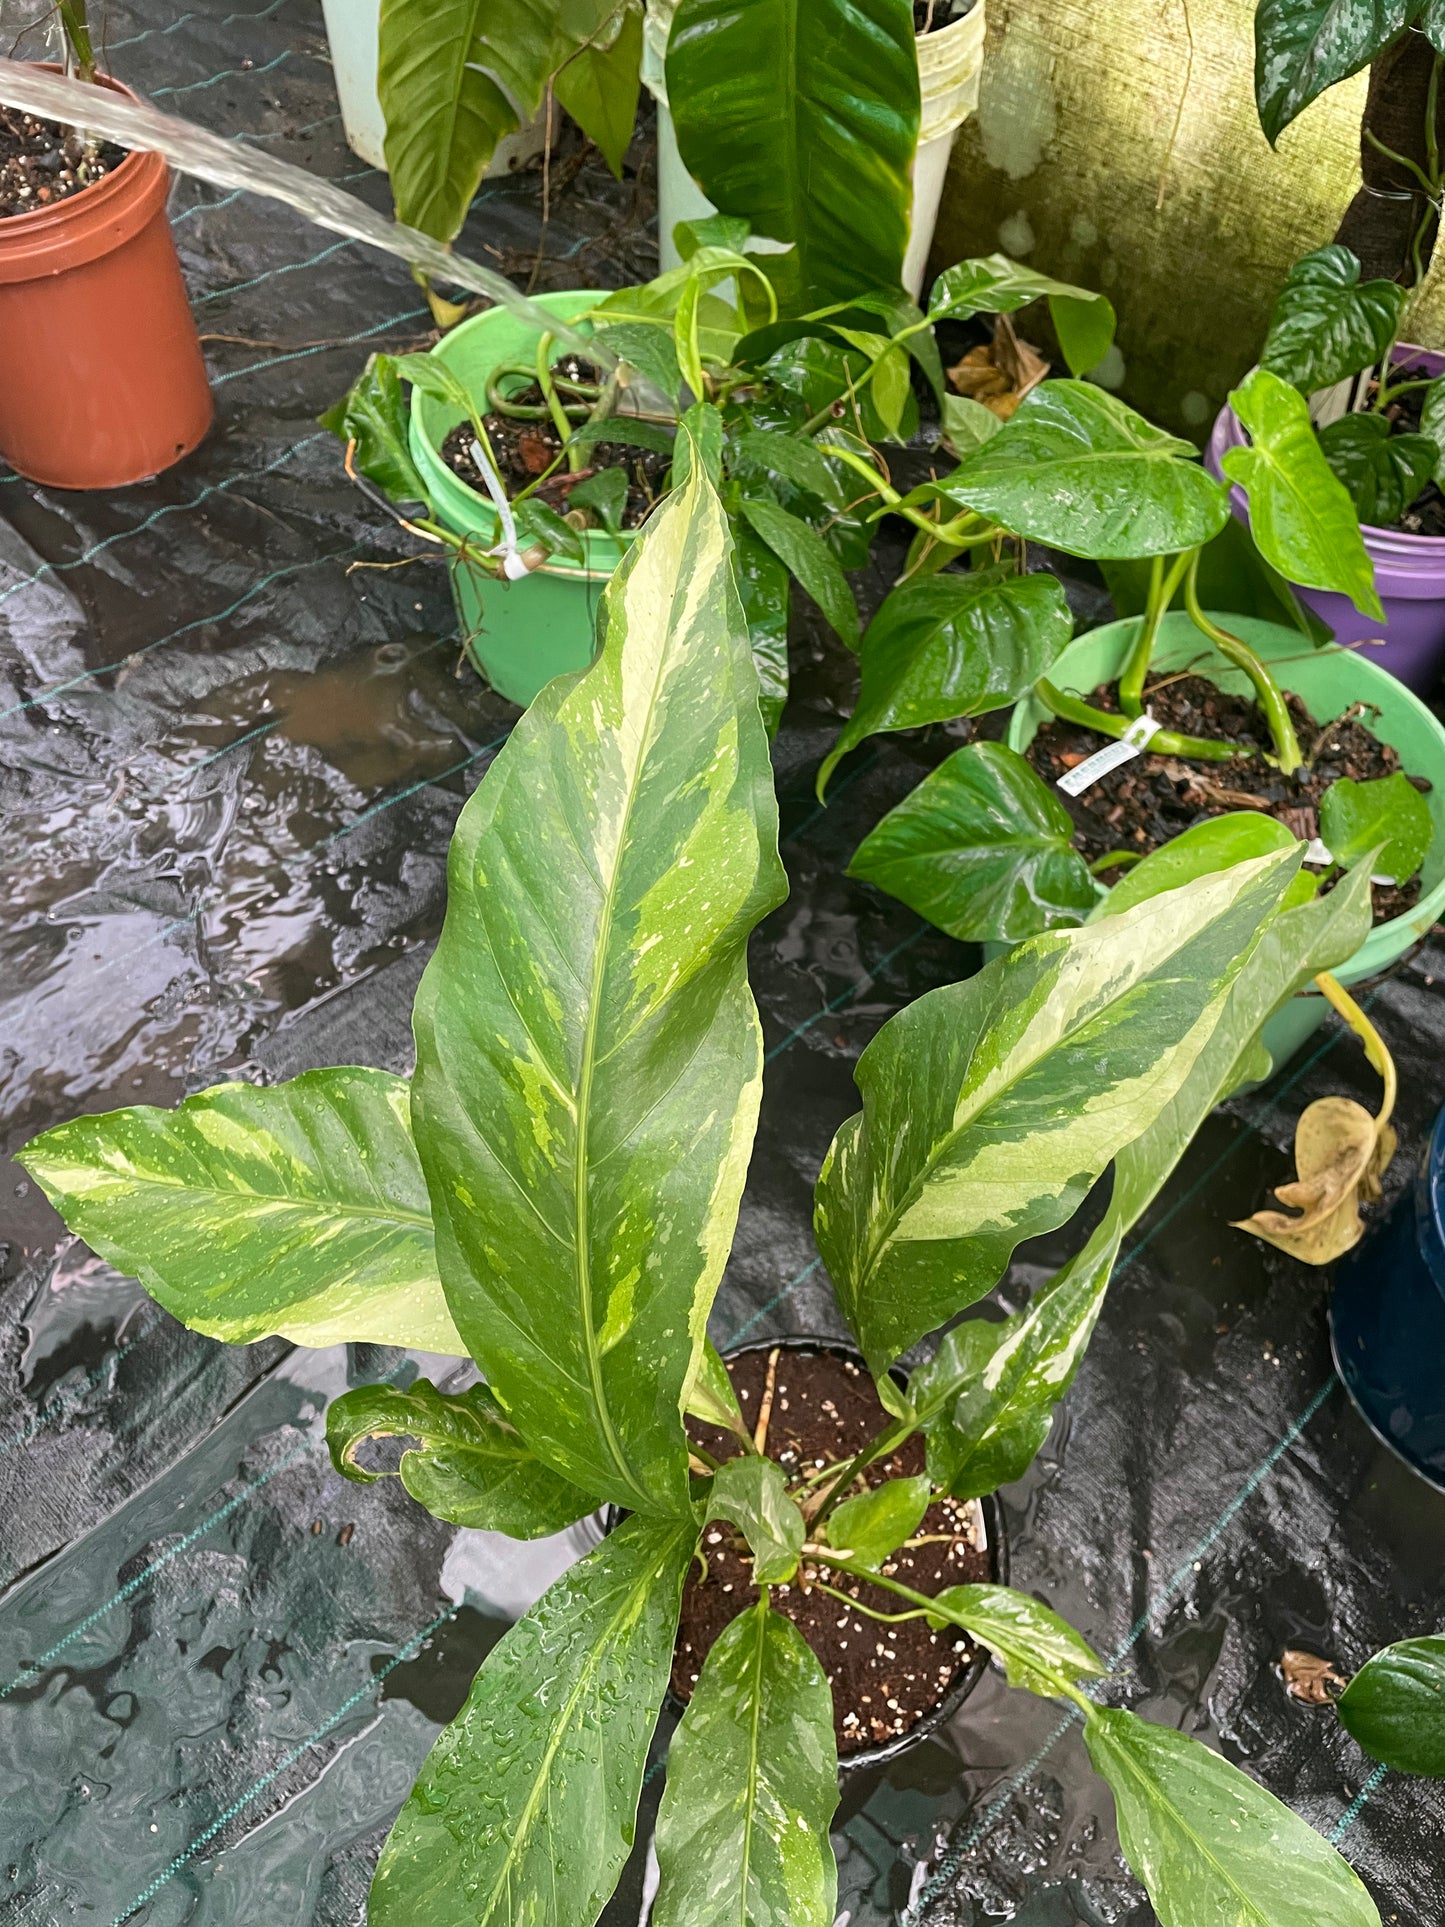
(229, 765)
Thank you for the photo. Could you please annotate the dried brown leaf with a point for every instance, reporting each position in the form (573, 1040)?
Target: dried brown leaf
(1340, 1157)
(1309, 1678)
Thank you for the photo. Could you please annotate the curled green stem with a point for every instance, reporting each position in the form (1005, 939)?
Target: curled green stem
(1104, 722)
(1268, 691)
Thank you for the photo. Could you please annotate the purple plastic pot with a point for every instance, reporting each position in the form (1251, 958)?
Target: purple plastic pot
(1409, 569)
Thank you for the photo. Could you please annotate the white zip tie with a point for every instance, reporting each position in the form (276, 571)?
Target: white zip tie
(1123, 750)
(513, 567)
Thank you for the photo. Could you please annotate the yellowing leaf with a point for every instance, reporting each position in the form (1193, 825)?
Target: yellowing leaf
(1340, 1157)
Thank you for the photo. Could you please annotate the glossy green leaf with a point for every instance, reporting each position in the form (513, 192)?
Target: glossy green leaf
(713, 231)
(649, 350)
(469, 1465)
(763, 586)
(606, 494)
(1211, 845)
(990, 1106)
(877, 1522)
(1085, 327)
(953, 645)
(375, 413)
(802, 116)
(1432, 24)
(993, 284)
(1357, 818)
(598, 85)
(537, 523)
(1208, 1844)
(588, 1049)
(526, 1808)
(808, 557)
(1328, 324)
(752, 1492)
(1300, 513)
(1301, 47)
(712, 1397)
(995, 1386)
(891, 388)
(626, 430)
(700, 433)
(1382, 473)
(1077, 469)
(752, 1785)
(967, 425)
(1029, 1639)
(982, 848)
(1395, 1706)
(1432, 413)
(297, 1210)
(764, 455)
(823, 372)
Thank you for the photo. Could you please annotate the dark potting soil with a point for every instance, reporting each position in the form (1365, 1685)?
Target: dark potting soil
(525, 449)
(42, 162)
(1426, 514)
(1145, 802)
(884, 1678)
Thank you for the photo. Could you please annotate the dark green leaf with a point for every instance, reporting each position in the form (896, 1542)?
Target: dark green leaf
(990, 1106)
(1029, 1639)
(1085, 327)
(993, 284)
(469, 1466)
(598, 85)
(982, 848)
(765, 454)
(953, 645)
(375, 413)
(752, 1492)
(1395, 1706)
(297, 1210)
(586, 1021)
(526, 1808)
(1328, 324)
(1208, 1844)
(752, 1784)
(1357, 818)
(1432, 24)
(1383, 473)
(647, 349)
(1432, 414)
(876, 1523)
(802, 116)
(1301, 47)
(1211, 845)
(763, 586)
(821, 372)
(1077, 469)
(809, 558)
(536, 523)
(713, 231)
(626, 430)
(1300, 513)
(606, 494)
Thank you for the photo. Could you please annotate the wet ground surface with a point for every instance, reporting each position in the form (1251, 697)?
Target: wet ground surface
(229, 766)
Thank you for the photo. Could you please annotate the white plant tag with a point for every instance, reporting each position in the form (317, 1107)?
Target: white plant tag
(1319, 853)
(1139, 733)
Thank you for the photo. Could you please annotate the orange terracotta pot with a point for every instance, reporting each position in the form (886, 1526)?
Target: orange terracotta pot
(102, 381)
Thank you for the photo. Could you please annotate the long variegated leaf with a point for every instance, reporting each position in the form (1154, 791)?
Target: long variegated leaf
(526, 1807)
(752, 1783)
(588, 1050)
(298, 1210)
(991, 1106)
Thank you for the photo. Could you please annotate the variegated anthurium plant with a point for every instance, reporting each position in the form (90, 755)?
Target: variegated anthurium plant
(555, 1193)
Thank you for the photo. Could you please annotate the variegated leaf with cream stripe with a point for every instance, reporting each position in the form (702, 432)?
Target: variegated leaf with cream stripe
(298, 1210)
(990, 1107)
(588, 1051)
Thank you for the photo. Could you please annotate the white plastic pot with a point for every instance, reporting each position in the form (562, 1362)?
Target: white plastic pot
(950, 64)
(353, 28)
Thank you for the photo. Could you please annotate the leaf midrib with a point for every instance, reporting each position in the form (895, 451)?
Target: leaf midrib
(754, 1753)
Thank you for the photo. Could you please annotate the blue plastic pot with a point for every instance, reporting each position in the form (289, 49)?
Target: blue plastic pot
(1387, 1321)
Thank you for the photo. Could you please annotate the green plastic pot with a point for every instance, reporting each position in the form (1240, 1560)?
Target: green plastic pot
(520, 634)
(1328, 680)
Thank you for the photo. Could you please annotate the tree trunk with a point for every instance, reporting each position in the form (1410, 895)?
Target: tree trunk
(1381, 221)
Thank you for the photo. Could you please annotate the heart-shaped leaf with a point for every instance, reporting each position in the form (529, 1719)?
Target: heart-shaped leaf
(1382, 472)
(982, 848)
(469, 1465)
(752, 1492)
(1327, 323)
(1077, 469)
(1300, 512)
(993, 284)
(1301, 47)
(1386, 819)
(752, 1785)
(953, 645)
(1340, 1155)
(298, 1210)
(1085, 326)
(967, 425)
(1211, 845)
(1395, 1706)
(876, 1523)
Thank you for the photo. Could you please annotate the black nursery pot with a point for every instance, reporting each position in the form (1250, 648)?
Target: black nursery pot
(936, 1715)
